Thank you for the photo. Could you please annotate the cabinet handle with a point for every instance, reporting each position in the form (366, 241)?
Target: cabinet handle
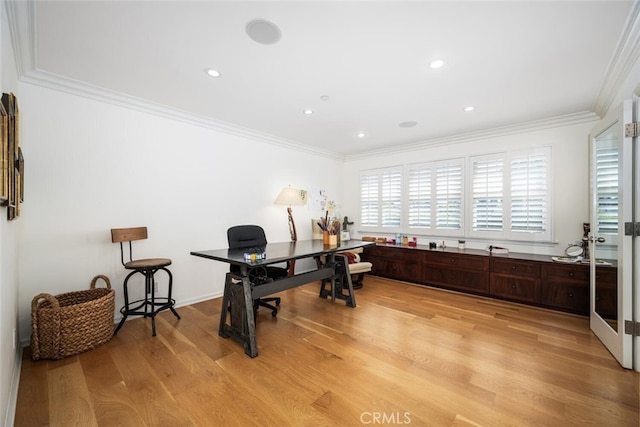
(570, 295)
(571, 274)
(453, 276)
(513, 286)
(513, 267)
(452, 260)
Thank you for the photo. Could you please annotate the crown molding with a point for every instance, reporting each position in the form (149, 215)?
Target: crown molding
(85, 90)
(21, 18)
(531, 126)
(622, 62)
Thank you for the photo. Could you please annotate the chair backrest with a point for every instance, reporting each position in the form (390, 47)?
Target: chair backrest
(246, 236)
(120, 235)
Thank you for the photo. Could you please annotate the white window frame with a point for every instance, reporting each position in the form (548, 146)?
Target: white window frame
(466, 229)
(434, 210)
(508, 233)
(380, 173)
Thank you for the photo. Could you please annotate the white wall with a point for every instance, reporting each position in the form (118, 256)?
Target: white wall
(92, 166)
(9, 350)
(570, 178)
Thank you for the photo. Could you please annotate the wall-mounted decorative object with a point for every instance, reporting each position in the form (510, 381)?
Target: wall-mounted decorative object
(4, 155)
(12, 161)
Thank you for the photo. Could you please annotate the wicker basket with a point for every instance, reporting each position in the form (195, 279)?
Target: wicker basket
(72, 322)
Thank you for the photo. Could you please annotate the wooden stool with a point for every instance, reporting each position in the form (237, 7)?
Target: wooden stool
(151, 304)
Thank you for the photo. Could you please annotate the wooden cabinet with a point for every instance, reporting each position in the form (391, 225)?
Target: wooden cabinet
(394, 263)
(530, 279)
(515, 279)
(457, 271)
(566, 287)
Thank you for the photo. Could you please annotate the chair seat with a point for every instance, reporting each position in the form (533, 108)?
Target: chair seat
(360, 267)
(141, 264)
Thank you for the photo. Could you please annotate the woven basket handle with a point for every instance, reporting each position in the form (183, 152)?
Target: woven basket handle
(48, 297)
(35, 336)
(100, 276)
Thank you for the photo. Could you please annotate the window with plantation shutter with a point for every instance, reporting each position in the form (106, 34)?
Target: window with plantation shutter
(419, 195)
(381, 199)
(529, 193)
(488, 194)
(369, 200)
(434, 197)
(510, 195)
(607, 202)
(503, 195)
(449, 196)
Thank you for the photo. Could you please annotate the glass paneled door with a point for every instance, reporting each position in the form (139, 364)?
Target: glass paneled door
(611, 191)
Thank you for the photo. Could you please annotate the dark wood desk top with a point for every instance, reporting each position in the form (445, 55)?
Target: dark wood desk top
(280, 252)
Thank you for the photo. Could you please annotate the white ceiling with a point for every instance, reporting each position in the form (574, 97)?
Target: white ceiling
(514, 61)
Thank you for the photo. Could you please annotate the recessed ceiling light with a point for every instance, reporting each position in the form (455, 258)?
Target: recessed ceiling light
(469, 108)
(308, 112)
(213, 73)
(438, 63)
(407, 124)
(360, 135)
(263, 32)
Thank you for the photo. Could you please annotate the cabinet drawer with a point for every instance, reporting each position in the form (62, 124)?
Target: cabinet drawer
(468, 262)
(515, 267)
(393, 253)
(515, 288)
(573, 298)
(458, 279)
(567, 272)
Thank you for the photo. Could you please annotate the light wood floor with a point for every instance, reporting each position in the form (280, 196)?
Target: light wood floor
(407, 355)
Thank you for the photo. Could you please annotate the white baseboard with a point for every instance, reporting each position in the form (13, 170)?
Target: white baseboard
(9, 419)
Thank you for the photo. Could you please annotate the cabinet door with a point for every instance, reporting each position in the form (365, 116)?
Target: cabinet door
(566, 296)
(396, 269)
(515, 288)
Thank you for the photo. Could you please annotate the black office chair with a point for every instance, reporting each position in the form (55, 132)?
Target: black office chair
(252, 237)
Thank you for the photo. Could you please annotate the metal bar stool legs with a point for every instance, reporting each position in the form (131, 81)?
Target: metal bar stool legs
(150, 305)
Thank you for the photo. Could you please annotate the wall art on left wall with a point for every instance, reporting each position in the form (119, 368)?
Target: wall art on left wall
(11, 158)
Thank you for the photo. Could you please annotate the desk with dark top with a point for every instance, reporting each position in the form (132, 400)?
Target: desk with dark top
(240, 291)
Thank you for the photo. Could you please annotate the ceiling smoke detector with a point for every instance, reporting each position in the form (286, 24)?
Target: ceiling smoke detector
(263, 32)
